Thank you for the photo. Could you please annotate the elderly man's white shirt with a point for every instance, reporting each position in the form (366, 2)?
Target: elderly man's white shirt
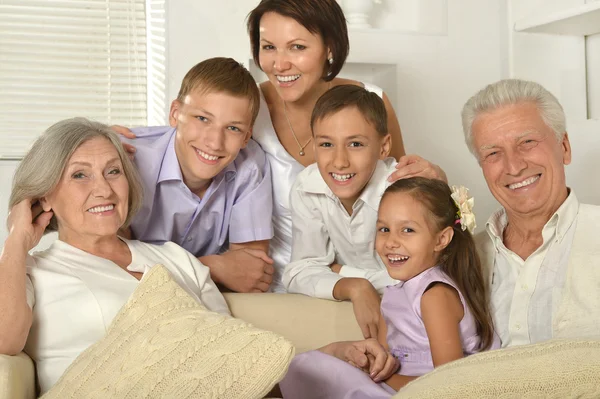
(75, 296)
(526, 294)
(324, 233)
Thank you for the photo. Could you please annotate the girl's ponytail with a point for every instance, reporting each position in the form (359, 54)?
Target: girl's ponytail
(461, 263)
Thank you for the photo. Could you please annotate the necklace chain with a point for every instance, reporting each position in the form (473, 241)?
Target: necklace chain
(302, 147)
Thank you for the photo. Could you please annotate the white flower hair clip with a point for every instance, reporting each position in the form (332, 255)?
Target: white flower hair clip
(464, 203)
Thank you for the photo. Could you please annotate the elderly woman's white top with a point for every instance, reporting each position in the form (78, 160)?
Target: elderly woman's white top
(284, 169)
(75, 296)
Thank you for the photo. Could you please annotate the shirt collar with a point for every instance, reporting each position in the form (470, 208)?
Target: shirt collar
(371, 194)
(560, 221)
(170, 169)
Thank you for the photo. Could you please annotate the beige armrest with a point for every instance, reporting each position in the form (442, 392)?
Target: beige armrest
(308, 322)
(17, 377)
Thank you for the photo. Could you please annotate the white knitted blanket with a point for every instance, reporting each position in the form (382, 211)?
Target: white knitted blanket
(556, 369)
(163, 344)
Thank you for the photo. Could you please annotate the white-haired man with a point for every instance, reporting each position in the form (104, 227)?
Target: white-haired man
(541, 248)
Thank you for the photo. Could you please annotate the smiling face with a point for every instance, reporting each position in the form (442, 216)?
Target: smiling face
(347, 148)
(522, 160)
(211, 130)
(292, 57)
(92, 196)
(406, 240)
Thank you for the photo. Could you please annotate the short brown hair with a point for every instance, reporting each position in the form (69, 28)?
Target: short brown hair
(323, 17)
(221, 74)
(369, 104)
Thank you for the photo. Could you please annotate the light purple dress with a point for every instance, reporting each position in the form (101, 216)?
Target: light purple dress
(317, 375)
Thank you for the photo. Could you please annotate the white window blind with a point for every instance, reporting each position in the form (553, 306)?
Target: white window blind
(158, 107)
(61, 59)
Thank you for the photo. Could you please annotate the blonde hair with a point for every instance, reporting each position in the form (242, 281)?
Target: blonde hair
(41, 169)
(510, 92)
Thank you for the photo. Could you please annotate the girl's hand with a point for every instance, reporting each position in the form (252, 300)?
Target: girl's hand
(368, 355)
(125, 132)
(414, 165)
(27, 222)
(366, 303)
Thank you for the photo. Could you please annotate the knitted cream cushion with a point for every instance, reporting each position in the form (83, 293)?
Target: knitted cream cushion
(163, 344)
(552, 369)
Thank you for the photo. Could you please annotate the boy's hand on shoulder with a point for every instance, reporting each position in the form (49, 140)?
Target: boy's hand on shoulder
(125, 132)
(243, 270)
(414, 165)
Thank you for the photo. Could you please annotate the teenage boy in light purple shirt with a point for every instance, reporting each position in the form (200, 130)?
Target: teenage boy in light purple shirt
(207, 185)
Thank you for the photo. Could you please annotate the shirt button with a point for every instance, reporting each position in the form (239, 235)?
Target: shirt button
(524, 287)
(190, 239)
(518, 326)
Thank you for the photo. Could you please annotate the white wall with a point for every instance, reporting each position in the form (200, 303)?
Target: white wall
(434, 74)
(427, 76)
(558, 62)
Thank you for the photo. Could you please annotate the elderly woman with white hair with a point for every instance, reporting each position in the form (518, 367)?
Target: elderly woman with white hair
(77, 180)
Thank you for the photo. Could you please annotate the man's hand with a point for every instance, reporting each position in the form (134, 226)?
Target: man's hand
(414, 165)
(241, 270)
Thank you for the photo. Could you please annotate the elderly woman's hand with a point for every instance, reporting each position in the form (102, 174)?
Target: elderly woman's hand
(414, 165)
(27, 222)
(125, 132)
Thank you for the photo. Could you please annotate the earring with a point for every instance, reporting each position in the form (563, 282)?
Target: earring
(330, 60)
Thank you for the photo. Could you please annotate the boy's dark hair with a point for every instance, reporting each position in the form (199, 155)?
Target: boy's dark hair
(324, 17)
(369, 104)
(459, 260)
(221, 74)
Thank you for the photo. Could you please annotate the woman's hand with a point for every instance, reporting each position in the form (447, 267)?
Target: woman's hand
(125, 132)
(27, 222)
(414, 165)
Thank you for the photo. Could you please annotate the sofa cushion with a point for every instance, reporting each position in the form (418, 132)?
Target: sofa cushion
(163, 343)
(552, 369)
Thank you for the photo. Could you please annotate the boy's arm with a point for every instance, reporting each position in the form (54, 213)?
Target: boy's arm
(246, 266)
(378, 278)
(312, 250)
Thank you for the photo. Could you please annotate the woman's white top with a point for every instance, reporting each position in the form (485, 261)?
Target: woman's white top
(75, 296)
(284, 170)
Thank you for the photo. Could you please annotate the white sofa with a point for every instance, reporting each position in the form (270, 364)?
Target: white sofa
(308, 323)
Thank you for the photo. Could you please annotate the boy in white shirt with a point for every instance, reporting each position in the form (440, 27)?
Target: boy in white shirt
(334, 204)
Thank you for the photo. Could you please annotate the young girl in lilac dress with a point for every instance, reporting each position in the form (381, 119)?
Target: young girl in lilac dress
(438, 313)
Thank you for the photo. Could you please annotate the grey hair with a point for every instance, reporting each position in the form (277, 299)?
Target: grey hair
(41, 169)
(509, 92)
